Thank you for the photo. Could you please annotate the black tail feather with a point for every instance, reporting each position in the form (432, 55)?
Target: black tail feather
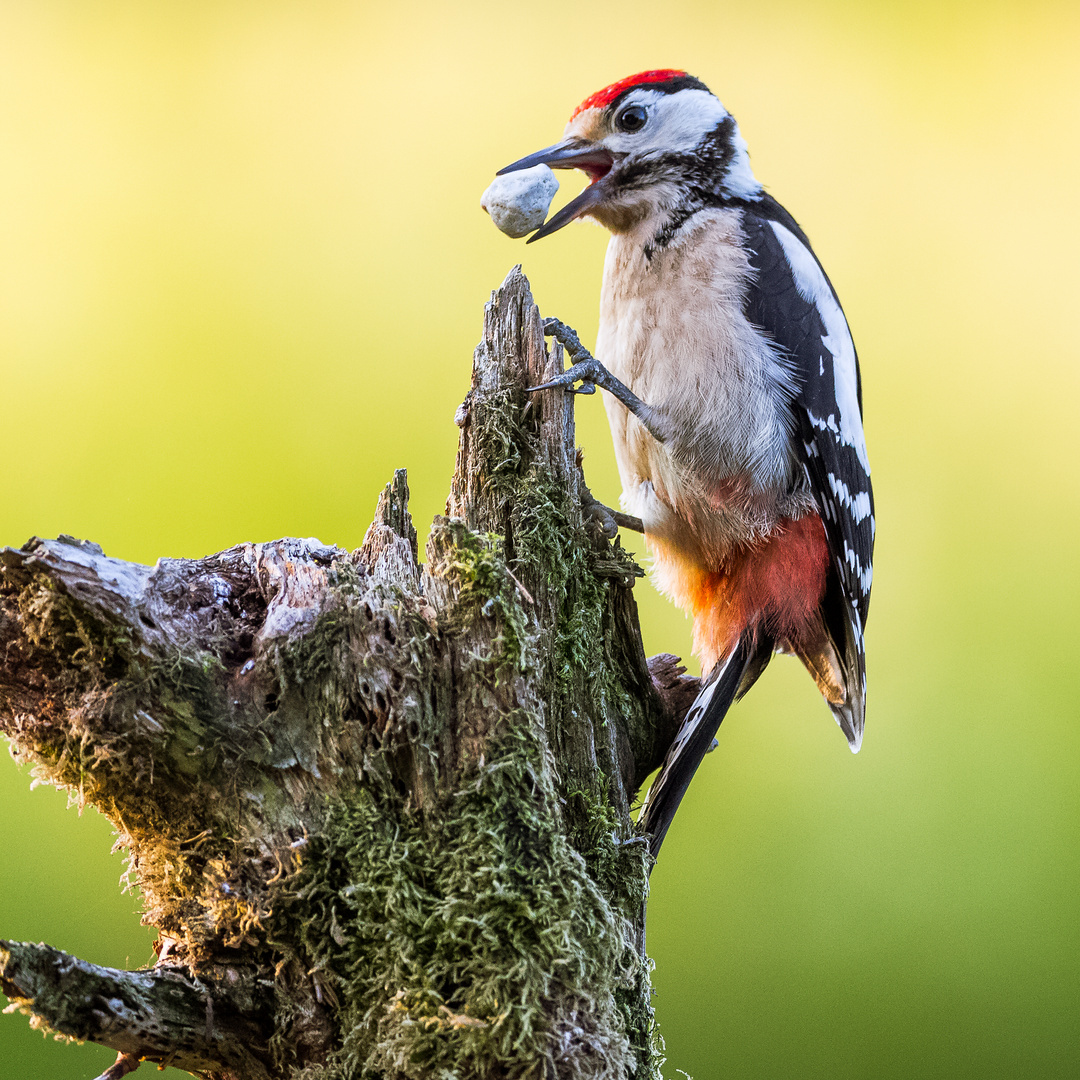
(757, 660)
(695, 737)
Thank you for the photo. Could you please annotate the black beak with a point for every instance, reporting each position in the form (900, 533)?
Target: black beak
(569, 154)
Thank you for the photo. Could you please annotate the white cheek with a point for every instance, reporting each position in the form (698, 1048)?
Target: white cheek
(678, 121)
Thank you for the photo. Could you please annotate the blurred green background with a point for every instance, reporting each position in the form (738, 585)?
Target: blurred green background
(242, 271)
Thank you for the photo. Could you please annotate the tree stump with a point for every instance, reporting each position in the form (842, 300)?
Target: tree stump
(378, 809)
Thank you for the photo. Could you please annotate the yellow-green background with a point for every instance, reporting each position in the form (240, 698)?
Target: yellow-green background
(242, 270)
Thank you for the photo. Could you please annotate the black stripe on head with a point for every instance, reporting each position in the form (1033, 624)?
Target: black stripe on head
(701, 169)
(668, 86)
(700, 172)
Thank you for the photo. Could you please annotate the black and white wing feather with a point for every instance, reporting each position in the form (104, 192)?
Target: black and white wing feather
(793, 301)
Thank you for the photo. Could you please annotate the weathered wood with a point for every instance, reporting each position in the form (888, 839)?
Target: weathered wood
(379, 811)
(160, 1014)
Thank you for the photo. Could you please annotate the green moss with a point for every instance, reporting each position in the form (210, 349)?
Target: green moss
(501, 441)
(548, 535)
(618, 864)
(470, 941)
(475, 564)
(68, 634)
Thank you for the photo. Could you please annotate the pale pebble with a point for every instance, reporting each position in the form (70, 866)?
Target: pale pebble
(518, 202)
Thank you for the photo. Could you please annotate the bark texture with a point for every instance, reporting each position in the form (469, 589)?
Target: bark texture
(379, 809)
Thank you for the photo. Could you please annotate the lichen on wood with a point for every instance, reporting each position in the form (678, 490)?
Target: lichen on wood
(379, 810)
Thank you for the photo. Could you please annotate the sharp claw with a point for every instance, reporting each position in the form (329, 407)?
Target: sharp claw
(565, 384)
(566, 379)
(584, 373)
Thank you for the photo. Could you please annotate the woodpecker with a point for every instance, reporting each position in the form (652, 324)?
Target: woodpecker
(734, 400)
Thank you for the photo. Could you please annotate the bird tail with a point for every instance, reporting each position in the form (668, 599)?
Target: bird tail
(831, 649)
(728, 680)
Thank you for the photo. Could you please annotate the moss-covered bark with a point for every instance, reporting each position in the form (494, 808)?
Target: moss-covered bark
(379, 810)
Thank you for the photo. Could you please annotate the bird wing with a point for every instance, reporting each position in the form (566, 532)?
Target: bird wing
(792, 301)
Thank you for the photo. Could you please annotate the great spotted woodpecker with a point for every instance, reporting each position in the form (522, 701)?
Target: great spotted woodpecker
(734, 401)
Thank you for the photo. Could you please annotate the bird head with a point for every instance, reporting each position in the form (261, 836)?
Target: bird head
(652, 144)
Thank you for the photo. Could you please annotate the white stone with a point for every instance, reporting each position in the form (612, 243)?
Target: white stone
(518, 202)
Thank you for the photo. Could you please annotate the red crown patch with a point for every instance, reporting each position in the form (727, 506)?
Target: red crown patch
(610, 93)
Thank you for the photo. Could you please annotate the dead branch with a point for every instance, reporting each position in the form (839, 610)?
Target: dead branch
(379, 810)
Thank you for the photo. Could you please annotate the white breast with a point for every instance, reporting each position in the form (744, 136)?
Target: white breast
(672, 328)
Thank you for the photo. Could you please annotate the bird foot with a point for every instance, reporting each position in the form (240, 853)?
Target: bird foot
(585, 373)
(588, 371)
(610, 521)
(567, 337)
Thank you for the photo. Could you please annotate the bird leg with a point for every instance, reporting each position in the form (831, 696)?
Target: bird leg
(588, 371)
(626, 521)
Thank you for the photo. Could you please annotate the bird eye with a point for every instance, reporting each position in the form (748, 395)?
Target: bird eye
(632, 118)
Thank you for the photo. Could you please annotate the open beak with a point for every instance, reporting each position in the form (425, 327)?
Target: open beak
(570, 154)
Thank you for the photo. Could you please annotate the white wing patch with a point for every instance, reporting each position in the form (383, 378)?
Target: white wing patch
(864, 574)
(813, 287)
(857, 505)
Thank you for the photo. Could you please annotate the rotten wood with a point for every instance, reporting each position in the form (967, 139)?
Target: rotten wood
(379, 810)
